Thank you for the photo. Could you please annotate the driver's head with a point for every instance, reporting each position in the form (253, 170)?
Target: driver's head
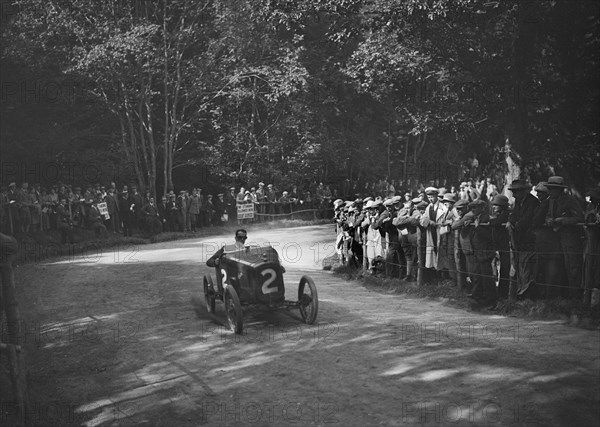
(241, 235)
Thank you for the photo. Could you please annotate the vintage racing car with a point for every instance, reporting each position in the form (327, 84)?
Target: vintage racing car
(254, 276)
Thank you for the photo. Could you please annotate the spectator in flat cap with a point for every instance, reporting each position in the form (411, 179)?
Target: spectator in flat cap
(522, 236)
(395, 262)
(407, 222)
(463, 249)
(484, 284)
(374, 247)
(431, 224)
(446, 262)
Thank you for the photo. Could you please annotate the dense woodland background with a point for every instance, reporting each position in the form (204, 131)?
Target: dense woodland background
(211, 93)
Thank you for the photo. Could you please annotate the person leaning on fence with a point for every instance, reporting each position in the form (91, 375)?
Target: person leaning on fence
(522, 237)
(463, 249)
(372, 237)
(430, 222)
(407, 224)
(561, 213)
(395, 262)
(484, 288)
(95, 219)
(153, 224)
(64, 222)
(501, 242)
(446, 262)
(591, 260)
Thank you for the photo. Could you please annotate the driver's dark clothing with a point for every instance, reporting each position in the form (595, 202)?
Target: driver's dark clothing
(217, 255)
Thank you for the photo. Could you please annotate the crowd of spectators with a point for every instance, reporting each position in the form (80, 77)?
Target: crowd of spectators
(106, 209)
(475, 237)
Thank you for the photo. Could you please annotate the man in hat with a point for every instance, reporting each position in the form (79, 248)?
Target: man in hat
(430, 223)
(194, 210)
(64, 222)
(463, 249)
(541, 191)
(501, 242)
(152, 217)
(407, 222)
(372, 237)
(561, 212)
(484, 283)
(95, 220)
(125, 212)
(230, 204)
(135, 206)
(284, 202)
(221, 215)
(261, 199)
(112, 204)
(210, 211)
(271, 199)
(395, 261)
(162, 213)
(446, 262)
(520, 228)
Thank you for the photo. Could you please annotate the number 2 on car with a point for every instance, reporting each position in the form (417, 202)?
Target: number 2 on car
(272, 276)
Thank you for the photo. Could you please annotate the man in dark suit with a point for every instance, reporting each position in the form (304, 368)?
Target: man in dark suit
(125, 211)
(162, 213)
(152, 217)
(561, 212)
(520, 228)
(113, 210)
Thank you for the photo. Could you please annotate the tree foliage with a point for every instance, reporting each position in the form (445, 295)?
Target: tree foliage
(315, 90)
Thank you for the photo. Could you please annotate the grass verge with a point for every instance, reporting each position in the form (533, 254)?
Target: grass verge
(573, 312)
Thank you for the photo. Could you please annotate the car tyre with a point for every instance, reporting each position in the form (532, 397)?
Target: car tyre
(233, 310)
(209, 294)
(308, 300)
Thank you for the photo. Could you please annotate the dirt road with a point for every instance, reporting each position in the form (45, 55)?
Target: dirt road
(122, 338)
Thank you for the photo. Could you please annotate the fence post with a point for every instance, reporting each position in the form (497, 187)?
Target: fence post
(8, 248)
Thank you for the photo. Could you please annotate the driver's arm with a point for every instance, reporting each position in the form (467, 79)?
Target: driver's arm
(214, 260)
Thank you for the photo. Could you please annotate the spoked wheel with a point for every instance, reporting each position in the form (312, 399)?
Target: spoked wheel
(233, 309)
(209, 294)
(308, 300)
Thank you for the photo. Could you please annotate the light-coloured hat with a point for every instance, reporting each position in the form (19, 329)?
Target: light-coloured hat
(449, 197)
(422, 205)
(417, 200)
(369, 204)
(388, 202)
(396, 199)
(431, 190)
(442, 191)
(376, 203)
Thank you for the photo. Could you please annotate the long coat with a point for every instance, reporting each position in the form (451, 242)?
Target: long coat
(433, 213)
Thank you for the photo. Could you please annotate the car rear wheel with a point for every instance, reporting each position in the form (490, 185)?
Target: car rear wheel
(209, 294)
(308, 301)
(233, 309)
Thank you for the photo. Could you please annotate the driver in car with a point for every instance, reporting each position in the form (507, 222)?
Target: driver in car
(240, 238)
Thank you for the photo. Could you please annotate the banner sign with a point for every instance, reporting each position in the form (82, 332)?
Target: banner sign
(245, 210)
(103, 208)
